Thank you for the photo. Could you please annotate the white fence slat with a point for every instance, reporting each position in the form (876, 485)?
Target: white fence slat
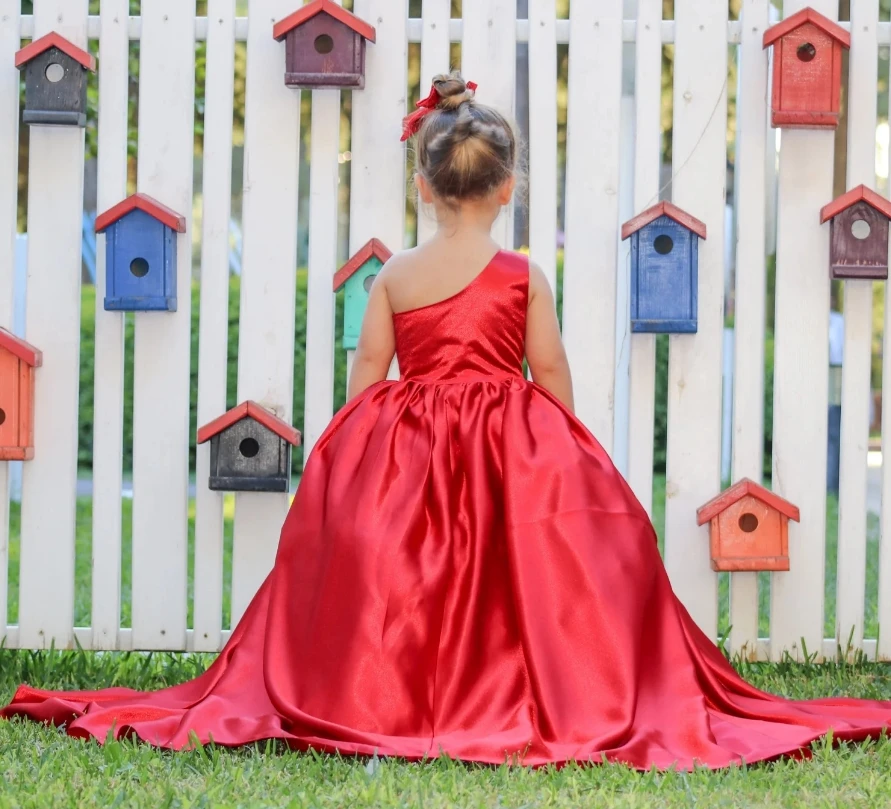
(699, 168)
(161, 355)
(55, 218)
(751, 268)
(489, 57)
(108, 387)
(856, 364)
(268, 280)
(434, 59)
(647, 162)
(543, 137)
(801, 376)
(592, 212)
(883, 650)
(323, 208)
(213, 326)
(9, 170)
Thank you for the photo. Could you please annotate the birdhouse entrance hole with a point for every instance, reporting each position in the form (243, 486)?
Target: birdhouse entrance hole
(806, 52)
(860, 229)
(323, 44)
(2, 415)
(54, 72)
(249, 447)
(368, 282)
(748, 523)
(139, 267)
(663, 244)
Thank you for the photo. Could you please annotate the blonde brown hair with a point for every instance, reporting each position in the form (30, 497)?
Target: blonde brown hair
(464, 150)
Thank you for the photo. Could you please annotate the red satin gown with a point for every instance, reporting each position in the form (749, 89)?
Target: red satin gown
(465, 573)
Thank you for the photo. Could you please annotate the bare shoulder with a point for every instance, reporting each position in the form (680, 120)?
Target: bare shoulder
(398, 264)
(538, 282)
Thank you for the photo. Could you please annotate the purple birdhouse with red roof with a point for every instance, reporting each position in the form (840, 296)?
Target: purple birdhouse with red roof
(55, 81)
(324, 46)
(355, 278)
(664, 269)
(250, 450)
(140, 255)
(858, 234)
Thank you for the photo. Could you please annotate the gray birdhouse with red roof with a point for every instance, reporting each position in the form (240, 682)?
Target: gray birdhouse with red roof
(18, 360)
(324, 46)
(664, 269)
(250, 450)
(807, 63)
(55, 81)
(858, 234)
(140, 255)
(355, 278)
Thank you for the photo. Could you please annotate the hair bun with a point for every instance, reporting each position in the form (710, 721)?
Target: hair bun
(452, 89)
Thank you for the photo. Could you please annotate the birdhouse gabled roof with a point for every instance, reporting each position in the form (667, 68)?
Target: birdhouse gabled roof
(663, 209)
(746, 488)
(373, 247)
(54, 40)
(142, 202)
(253, 411)
(803, 17)
(338, 12)
(855, 195)
(19, 348)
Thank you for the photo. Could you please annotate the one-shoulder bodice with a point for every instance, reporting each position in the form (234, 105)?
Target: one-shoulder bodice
(480, 331)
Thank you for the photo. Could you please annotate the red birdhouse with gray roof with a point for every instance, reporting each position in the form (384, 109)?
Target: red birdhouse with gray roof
(324, 46)
(858, 234)
(748, 528)
(18, 360)
(807, 62)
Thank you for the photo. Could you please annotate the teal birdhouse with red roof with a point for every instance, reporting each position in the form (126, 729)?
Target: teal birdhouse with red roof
(356, 278)
(664, 270)
(140, 255)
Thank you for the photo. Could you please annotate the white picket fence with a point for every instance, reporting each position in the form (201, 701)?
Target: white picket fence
(610, 176)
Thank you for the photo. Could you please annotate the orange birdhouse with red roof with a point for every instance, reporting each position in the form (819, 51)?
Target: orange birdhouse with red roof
(858, 234)
(324, 46)
(356, 278)
(18, 360)
(748, 528)
(807, 60)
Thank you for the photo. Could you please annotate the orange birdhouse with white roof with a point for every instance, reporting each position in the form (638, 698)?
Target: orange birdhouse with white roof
(18, 360)
(748, 528)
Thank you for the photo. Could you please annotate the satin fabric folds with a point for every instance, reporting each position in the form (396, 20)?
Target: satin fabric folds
(463, 572)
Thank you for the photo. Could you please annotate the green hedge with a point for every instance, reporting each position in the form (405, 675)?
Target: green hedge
(85, 446)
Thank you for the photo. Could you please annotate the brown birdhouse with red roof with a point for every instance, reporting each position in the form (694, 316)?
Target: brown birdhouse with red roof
(18, 360)
(55, 81)
(324, 46)
(807, 62)
(250, 450)
(858, 234)
(355, 278)
(748, 528)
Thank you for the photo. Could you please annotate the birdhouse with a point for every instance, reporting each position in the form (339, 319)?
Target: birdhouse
(858, 234)
(17, 363)
(356, 278)
(807, 62)
(748, 528)
(55, 81)
(140, 255)
(250, 450)
(324, 46)
(664, 269)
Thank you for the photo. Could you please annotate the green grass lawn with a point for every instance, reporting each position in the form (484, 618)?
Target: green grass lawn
(41, 767)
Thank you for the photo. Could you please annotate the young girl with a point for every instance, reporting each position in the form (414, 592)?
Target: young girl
(463, 571)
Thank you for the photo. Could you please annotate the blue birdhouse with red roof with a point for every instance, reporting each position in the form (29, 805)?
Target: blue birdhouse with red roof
(140, 255)
(664, 270)
(356, 278)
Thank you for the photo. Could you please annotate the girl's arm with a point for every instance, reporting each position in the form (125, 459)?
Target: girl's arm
(377, 342)
(544, 346)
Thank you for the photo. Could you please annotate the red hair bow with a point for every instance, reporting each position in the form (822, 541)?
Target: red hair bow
(412, 123)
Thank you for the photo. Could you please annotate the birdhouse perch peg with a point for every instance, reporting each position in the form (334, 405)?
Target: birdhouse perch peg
(858, 234)
(356, 276)
(664, 269)
(324, 46)
(748, 528)
(807, 62)
(18, 360)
